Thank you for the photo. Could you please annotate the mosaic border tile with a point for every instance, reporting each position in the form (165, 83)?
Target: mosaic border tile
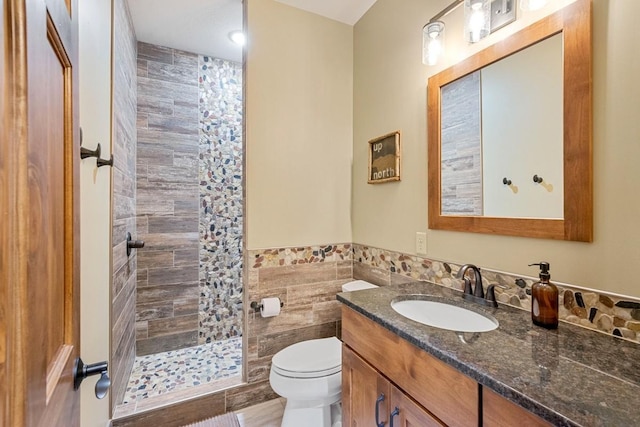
(221, 173)
(599, 311)
(278, 257)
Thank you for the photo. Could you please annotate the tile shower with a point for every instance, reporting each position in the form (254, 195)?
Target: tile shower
(189, 207)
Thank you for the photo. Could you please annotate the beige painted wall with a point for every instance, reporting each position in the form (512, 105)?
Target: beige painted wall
(95, 206)
(299, 85)
(390, 93)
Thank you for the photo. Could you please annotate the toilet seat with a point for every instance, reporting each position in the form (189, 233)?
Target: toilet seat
(309, 359)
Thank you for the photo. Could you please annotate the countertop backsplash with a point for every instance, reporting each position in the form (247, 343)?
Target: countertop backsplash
(592, 309)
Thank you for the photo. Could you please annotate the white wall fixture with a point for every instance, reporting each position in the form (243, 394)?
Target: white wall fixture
(528, 5)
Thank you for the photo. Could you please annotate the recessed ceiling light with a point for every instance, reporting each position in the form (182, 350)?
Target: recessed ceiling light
(237, 37)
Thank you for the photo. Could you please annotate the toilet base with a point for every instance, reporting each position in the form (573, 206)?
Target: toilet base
(312, 414)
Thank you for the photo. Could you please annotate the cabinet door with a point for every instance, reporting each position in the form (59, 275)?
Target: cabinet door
(448, 394)
(362, 387)
(498, 411)
(407, 413)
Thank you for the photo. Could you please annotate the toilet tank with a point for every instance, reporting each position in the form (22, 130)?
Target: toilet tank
(357, 285)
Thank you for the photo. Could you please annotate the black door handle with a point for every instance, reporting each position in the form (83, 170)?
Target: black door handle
(393, 414)
(82, 371)
(378, 401)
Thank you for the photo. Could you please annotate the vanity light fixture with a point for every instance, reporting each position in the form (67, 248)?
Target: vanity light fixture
(527, 5)
(432, 42)
(482, 17)
(477, 19)
(433, 35)
(237, 37)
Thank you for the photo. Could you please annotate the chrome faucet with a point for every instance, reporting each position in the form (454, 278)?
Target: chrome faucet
(477, 295)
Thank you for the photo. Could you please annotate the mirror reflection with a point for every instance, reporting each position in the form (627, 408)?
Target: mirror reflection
(501, 126)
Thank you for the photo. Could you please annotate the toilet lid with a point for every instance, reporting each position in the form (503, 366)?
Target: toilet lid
(309, 359)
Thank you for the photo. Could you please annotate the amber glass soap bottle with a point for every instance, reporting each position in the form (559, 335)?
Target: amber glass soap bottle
(544, 299)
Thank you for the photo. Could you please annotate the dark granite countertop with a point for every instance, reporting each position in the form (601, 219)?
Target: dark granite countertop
(570, 376)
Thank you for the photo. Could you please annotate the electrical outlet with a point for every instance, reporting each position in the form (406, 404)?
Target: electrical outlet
(421, 243)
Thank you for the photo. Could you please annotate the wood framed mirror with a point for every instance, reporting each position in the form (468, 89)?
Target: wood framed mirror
(575, 155)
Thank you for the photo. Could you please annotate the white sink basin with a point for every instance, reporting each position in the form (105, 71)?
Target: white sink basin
(444, 316)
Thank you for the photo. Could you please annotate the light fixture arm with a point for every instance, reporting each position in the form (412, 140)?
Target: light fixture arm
(447, 10)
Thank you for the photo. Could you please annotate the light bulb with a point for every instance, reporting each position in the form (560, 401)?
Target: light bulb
(477, 19)
(432, 42)
(237, 37)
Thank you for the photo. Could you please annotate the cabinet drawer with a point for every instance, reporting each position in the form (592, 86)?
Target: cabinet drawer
(442, 390)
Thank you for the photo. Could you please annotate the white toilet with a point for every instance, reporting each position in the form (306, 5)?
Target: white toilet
(309, 375)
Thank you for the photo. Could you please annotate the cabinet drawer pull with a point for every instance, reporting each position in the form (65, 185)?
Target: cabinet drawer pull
(378, 400)
(393, 414)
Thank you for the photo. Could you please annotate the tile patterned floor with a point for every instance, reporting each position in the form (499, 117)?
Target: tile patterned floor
(161, 373)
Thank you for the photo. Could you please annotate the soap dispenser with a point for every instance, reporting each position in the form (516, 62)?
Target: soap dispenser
(544, 299)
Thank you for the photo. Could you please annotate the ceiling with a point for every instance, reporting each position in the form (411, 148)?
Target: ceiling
(203, 26)
(347, 11)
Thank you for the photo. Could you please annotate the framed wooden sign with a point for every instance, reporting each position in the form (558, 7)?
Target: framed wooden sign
(384, 158)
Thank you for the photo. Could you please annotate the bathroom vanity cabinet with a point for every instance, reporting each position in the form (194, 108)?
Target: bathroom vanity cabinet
(372, 399)
(425, 390)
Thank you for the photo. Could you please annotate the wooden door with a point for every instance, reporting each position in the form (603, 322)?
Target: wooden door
(40, 214)
(407, 413)
(362, 386)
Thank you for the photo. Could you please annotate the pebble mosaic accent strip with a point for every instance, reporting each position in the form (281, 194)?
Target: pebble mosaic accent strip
(593, 310)
(221, 199)
(171, 371)
(300, 255)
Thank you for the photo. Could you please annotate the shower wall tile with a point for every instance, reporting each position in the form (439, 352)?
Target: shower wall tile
(178, 125)
(168, 140)
(124, 199)
(150, 259)
(166, 184)
(173, 224)
(182, 307)
(155, 53)
(174, 340)
(170, 241)
(173, 73)
(162, 89)
(146, 312)
(161, 294)
(141, 70)
(171, 325)
(153, 105)
(186, 257)
(171, 275)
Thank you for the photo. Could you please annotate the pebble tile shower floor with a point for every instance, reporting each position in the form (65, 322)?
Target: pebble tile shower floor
(161, 373)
